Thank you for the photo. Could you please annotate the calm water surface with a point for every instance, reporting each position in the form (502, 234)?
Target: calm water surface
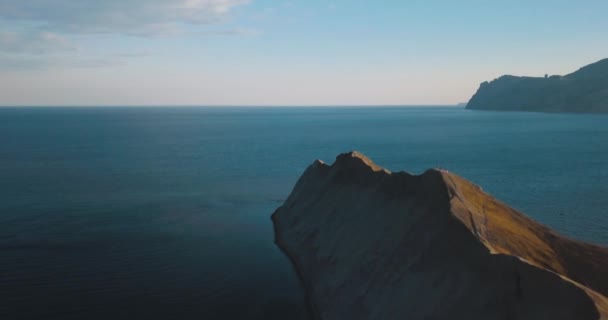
(163, 213)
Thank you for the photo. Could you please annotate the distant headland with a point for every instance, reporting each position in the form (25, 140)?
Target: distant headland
(583, 91)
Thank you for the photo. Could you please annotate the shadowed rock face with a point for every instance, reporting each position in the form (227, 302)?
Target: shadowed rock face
(584, 91)
(370, 244)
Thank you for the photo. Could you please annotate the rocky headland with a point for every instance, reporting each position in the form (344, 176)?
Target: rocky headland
(583, 91)
(371, 244)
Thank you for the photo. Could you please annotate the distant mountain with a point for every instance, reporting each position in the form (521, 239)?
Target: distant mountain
(584, 91)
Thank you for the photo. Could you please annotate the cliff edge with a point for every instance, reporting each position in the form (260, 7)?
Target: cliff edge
(583, 91)
(371, 244)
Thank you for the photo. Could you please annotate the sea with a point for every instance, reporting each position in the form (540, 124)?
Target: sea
(164, 212)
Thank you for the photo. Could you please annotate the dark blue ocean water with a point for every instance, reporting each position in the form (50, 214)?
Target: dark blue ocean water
(163, 213)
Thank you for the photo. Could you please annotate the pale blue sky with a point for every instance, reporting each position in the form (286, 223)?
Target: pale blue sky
(264, 52)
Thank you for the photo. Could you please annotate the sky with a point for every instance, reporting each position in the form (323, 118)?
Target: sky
(284, 53)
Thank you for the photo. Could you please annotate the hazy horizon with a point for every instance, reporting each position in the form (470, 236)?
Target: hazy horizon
(284, 53)
(455, 105)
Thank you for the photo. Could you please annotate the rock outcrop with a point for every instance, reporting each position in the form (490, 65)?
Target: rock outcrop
(371, 244)
(584, 91)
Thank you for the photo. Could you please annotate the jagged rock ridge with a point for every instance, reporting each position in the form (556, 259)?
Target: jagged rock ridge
(584, 91)
(371, 244)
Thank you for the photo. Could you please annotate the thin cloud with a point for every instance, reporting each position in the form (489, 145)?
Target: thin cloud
(34, 42)
(230, 32)
(38, 34)
(133, 54)
(40, 62)
(127, 17)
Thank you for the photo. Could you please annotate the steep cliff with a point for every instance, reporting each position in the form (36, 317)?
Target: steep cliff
(371, 244)
(584, 91)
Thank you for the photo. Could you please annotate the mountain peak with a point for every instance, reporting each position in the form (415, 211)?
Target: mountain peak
(369, 244)
(355, 158)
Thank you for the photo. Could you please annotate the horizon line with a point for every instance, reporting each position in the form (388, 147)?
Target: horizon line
(234, 106)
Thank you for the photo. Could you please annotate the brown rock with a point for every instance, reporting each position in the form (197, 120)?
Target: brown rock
(370, 244)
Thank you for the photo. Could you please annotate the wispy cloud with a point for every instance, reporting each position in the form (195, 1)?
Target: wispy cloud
(20, 63)
(229, 32)
(34, 42)
(139, 54)
(130, 17)
(39, 34)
